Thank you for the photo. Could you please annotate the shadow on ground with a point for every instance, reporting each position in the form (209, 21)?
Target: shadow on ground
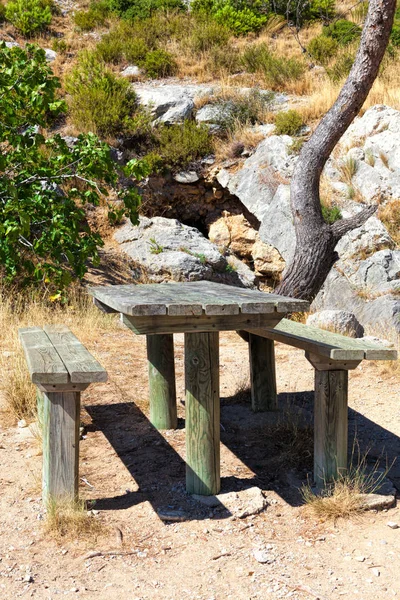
(276, 450)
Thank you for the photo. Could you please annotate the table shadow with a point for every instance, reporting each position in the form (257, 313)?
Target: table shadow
(277, 448)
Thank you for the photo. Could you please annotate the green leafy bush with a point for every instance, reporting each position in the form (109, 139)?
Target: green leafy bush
(159, 63)
(243, 109)
(100, 101)
(288, 122)
(143, 9)
(395, 35)
(240, 22)
(278, 71)
(2, 12)
(322, 48)
(178, 145)
(86, 20)
(208, 34)
(28, 16)
(224, 60)
(343, 31)
(45, 186)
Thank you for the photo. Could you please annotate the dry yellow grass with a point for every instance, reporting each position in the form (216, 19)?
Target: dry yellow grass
(22, 310)
(69, 519)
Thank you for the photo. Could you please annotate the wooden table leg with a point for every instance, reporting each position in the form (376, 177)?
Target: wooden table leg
(262, 373)
(162, 391)
(202, 413)
(330, 425)
(60, 430)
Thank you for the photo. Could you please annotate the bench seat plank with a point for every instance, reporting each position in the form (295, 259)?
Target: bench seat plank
(80, 364)
(44, 363)
(318, 341)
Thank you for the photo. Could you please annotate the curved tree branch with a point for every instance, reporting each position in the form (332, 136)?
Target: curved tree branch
(315, 240)
(340, 228)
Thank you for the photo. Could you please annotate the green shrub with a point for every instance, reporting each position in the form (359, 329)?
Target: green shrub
(395, 35)
(159, 63)
(288, 122)
(341, 68)
(143, 9)
(240, 22)
(135, 50)
(178, 145)
(100, 101)
(277, 70)
(59, 45)
(301, 12)
(28, 16)
(330, 213)
(86, 20)
(320, 9)
(208, 34)
(343, 31)
(2, 12)
(322, 48)
(244, 109)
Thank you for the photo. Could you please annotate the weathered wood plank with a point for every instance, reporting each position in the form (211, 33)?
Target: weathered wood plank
(262, 374)
(323, 363)
(330, 425)
(162, 391)
(103, 307)
(44, 363)
(325, 343)
(60, 430)
(204, 323)
(192, 298)
(80, 364)
(202, 413)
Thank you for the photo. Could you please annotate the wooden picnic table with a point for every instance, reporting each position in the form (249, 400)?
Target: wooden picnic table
(199, 310)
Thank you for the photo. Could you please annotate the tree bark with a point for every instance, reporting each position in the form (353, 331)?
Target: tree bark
(316, 240)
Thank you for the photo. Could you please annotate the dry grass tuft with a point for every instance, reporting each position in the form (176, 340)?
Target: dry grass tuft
(345, 496)
(29, 309)
(390, 217)
(69, 519)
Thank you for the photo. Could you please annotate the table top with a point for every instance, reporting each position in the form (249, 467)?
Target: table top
(192, 298)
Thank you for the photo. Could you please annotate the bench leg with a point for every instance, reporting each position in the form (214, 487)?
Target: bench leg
(262, 373)
(162, 391)
(330, 425)
(60, 427)
(202, 413)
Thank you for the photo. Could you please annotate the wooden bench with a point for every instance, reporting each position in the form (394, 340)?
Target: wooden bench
(332, 356)
(61, 368)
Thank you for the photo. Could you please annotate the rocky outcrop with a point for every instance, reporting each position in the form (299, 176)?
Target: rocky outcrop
(337, 321)
(164, 249)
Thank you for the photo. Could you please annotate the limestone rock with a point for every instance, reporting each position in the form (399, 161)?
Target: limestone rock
(337, 321)
(186, 177)
(267, 260)
(368, 238)
(168, 103)
(167, 250)
(214, 113)
(277, 228)
(240, 504)
(51, 55)
(233, 232)
(131, 71)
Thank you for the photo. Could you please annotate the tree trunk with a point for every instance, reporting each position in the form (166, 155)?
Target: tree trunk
(315, 239)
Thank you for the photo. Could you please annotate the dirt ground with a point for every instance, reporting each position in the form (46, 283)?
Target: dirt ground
(132, 471)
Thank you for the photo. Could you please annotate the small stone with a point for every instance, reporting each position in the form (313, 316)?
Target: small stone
(131, 71)
(172, 515)
(360, 558)
(22, 423)
(392, 525)
(186, 177)
(28, 578)
(376, 572)
(263, 557)
(50, 55)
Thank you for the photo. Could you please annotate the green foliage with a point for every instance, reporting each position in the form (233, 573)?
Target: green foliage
(319, 9)
(240, 22)
(330, 214)
(296, 146)
(208, 34)
(343, 31)
(2, 12)
(395, 35)
(178, 145)
(243, 109)
(288, 122)
(86, 20)
(322, 48)
(44, 185)
(100, 101)
(28, 16)
(224, 60)
(278, 71)
(143, 9)
(159, 63)
(342, 67)
(59, 45)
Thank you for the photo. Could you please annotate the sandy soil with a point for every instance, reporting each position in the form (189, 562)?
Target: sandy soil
(131, 471)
